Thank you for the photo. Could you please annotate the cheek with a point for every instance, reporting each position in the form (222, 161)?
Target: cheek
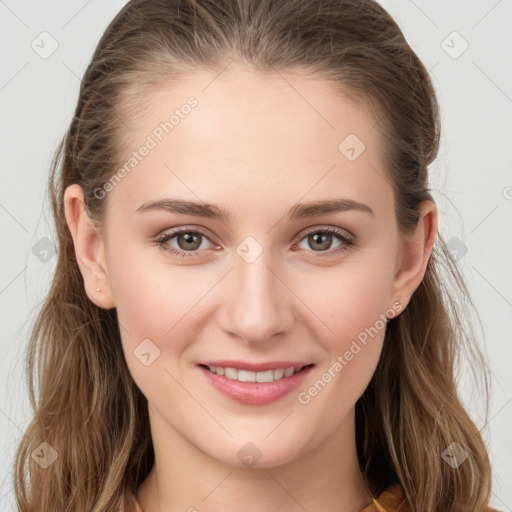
(349, 300)
(351, 304)
(158, 302)
(138, 293)
(360, 304)
(360, 330)
(150, 295)
(355, 314)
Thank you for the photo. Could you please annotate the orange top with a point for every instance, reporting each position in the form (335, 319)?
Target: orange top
(391, 500)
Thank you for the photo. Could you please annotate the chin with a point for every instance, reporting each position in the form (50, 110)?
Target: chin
(258, 454)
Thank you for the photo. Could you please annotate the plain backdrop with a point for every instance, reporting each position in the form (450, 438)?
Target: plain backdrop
(466, 46)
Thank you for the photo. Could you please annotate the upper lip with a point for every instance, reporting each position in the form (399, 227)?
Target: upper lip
(257, 367)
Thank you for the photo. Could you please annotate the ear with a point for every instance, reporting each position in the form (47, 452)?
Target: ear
(89, 248)
(415, 251)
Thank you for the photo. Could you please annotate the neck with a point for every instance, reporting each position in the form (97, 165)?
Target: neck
(183, 478)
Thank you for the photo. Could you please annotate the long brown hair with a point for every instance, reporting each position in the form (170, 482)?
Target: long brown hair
(89, 409)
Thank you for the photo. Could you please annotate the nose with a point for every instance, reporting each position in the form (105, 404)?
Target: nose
(257, 303)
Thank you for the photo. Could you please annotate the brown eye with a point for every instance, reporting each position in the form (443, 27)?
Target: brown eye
(188, 240)
(322, 240)
(188, 243)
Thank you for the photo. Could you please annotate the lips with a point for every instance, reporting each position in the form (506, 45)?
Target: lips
(252, 391)
(257, 367)
(250, 376)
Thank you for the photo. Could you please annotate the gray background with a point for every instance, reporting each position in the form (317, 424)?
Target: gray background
(472, 179)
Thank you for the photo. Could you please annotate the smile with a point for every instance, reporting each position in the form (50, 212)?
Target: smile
(252, 387)
(250, 376)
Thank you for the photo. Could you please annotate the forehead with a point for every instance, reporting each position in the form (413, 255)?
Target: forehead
(292, 104)
(239, 104)
(260, 134)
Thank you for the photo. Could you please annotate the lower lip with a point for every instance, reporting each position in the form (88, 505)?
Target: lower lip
(255, 393)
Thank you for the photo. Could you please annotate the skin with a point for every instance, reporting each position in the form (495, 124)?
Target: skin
(255, 146)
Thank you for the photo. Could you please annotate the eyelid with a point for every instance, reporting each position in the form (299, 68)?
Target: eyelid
(162, 239)
(171, 232)
(341, 232)
(346, 238)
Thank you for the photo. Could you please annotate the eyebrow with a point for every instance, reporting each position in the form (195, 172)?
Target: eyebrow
(299, 211)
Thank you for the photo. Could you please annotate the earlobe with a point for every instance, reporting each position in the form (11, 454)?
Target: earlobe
(89, 248)
(415, 252)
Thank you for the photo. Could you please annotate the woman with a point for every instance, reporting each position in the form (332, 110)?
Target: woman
(247, 308)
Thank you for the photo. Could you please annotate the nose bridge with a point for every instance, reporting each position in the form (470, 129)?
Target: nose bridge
(258, 306)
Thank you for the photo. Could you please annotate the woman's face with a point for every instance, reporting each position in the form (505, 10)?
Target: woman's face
(269, 162)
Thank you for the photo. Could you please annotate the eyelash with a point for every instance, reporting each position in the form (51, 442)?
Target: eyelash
(347, 241)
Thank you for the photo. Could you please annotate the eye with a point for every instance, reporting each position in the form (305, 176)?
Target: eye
(321, 240)
(188, 242)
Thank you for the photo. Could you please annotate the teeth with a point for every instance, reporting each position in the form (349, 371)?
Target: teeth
(288, 372)
(249, 376)
(246, 376)
(267, 376)
(230, 373)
